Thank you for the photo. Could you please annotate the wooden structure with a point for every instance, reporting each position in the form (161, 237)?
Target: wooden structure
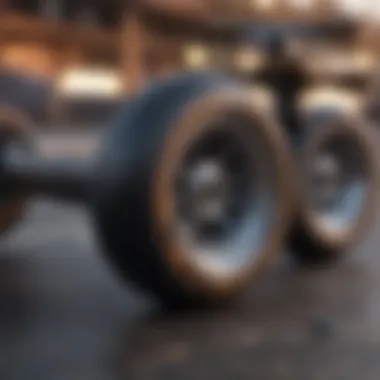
(131, 41)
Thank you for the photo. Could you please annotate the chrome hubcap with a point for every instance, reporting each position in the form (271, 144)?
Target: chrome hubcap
(208, 191)
(226, 198)
(326, 179)
(338, 182)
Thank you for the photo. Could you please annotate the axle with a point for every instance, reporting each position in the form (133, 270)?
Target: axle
(69, 178)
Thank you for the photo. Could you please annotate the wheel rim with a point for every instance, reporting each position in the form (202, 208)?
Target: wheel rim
(338, 182)
(226, 198)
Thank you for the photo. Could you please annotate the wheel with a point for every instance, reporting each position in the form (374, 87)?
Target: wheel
(13, 126)
(338, 178)
(197, 198)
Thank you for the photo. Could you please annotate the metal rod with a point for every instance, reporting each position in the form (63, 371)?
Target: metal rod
(66, 178)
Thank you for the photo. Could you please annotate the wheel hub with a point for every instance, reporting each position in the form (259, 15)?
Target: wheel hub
(208, 189)
(326, 178)
(225, 198)
(338, 182)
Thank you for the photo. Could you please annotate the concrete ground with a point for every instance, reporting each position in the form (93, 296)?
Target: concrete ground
(65, 315)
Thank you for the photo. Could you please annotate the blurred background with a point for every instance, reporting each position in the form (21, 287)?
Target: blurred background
(69, 62)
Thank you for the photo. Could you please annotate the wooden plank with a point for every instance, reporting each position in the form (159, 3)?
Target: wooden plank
(16, 26)
(132, 52)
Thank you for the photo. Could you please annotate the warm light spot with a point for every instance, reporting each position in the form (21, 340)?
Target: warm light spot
(90, 82)
(195, 56)
(330, 96)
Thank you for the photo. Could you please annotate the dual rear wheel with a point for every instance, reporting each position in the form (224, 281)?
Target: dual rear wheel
(199, 188)
(220, 190)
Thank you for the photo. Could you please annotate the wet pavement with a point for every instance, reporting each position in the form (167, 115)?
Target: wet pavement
(65, 315)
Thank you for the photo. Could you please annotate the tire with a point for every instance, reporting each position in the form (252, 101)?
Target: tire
(322, 236)
(140, 227)
(13, 126)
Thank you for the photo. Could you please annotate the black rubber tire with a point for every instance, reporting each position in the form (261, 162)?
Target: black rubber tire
(309, 243)
(129, 202)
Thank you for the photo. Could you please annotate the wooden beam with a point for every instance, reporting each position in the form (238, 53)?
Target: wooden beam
(16, 26)
(132, 51)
